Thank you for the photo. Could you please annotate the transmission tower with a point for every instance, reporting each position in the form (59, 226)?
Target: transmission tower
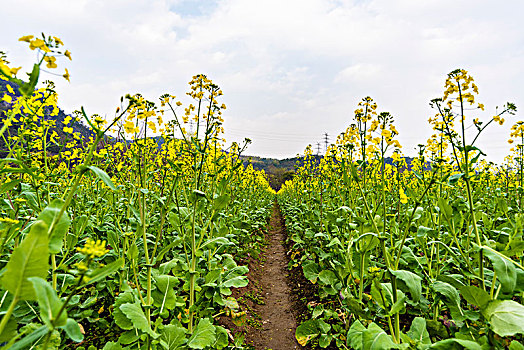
(318, 148)
(326, 140)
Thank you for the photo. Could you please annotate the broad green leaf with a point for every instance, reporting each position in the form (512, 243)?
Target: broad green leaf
(222, 338)
(172, 337)
(411, 281)
(102, 175)
(73, 331)
(120, 318)
(445, 209)
(311, 329)
(452, 298)
(515, 345)
(135, 313)
(29, 259)
(374, 338)
(325, 340)
(48, 215)
(328, 277)
(456, 344)
(216, 240)
(235, 277)
(48, 302)
(112, 346)
(475, 295)
(311, 271)
(10, 330)
(505, 317)
(165, 295)
(505, 269)
(221, 202)
(354, 337)
(418, 331)
(203, 335)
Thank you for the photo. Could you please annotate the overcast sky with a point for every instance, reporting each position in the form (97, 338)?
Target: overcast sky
(290, 69)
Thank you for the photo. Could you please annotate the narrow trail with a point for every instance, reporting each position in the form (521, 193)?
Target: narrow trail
(278, 320)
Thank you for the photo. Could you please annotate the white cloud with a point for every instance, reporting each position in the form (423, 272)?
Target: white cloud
(286, 67)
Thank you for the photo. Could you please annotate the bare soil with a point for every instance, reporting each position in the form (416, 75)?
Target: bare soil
(269, 299)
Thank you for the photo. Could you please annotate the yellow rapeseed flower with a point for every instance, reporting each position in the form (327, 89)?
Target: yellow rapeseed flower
(58, 41)
(93, 249)
(38, 44)
(26, 38)
(9, 221)
(66, 75)
(51, 61)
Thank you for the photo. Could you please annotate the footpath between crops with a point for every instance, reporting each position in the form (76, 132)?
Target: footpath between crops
(277, 311)
(269, 300)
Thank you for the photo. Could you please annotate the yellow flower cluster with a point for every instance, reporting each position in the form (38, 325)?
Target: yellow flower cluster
(93, 249)
(51, 48)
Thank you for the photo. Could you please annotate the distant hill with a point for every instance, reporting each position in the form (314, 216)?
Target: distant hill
(78, 127)
(281, 170)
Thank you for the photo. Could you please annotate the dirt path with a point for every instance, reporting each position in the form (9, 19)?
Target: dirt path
(277, 318)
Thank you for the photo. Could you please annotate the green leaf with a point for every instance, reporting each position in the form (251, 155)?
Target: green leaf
(29, 259)
(506, 272)
(374, 338)
(102, 175)
(136, 315)
(8, 186)
(10, 330)
(411, 281)
(418, 331)
(451, 298)
(203, 335)
(216, 240)
(73, 331)
(505, 317)
(27, 89)
(453, 179)
(221, 202)
(475, 295)
(515, 345)
(120, 318)
(456, 344)
(31, 339)
(445, 209)
(172, 337)
(328, 277)
(222, 338)
(104, 271)
(311, 271)
(165, 295)
(354, 337)
(311, 329)
(398, 306)
(235, 277)
(49, 303)
(112, 346)
(48, 215)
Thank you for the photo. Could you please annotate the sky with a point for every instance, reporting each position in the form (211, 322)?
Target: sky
(290, 70)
